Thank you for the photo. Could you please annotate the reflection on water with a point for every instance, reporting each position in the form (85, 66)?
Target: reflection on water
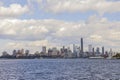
(60, 69)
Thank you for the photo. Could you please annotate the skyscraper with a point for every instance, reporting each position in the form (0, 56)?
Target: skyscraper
(97, 50)
(73, 48)
(93, 51)
(27, 52)
(14, 53)
(103, 51)
(44, 49)
(82, 45)
(90, 48)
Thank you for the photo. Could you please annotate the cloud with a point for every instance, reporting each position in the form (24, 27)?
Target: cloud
(16, 29)
(96, 37)
(31, 30)
(13, 10)
(56, 32)
(60, 6)
(19, 44)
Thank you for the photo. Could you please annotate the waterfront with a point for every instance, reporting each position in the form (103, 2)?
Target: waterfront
(59, 69)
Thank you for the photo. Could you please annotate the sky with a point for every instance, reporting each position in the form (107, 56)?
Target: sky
(31, 24)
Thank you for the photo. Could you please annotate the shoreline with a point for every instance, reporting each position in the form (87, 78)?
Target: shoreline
(57, 58)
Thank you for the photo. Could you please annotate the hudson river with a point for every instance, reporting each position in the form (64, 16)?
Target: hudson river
(60, 69)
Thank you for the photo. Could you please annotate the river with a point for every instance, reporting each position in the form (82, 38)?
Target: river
(59, 69)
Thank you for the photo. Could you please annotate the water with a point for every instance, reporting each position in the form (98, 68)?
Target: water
(60, 69)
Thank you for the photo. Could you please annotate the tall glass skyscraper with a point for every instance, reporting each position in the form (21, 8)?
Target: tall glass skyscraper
(103, 50)
(82, 45)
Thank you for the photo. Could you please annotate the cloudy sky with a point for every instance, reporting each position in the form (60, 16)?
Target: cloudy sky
(31, 24)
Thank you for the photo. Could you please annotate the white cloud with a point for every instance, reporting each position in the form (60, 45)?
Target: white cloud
(27, 29)
(100, 6)
(55, 32)
(96, 37)
(41, 29)
(13, 10)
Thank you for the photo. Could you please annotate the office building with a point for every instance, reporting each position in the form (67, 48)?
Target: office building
(93, 51)
(14, 53)
(44, 49)
(50, 52)
(82, 50)
(90, 48)
(27, 52)
(103, 50)
(54, 51)
(5, 53)
(97, 50)
(22, 51)
(73, 48)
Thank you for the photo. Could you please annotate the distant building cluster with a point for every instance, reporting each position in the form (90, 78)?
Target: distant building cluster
(64, 52)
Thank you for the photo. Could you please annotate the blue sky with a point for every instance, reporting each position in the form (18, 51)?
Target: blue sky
(77, 16)
(31, 24)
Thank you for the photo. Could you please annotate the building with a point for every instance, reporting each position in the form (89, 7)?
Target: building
(93, 51)
(50, 52)
(38, 54)
(73, 48)
(82, 50)
(110, 54)
(62, 51)
(22, 51)
(5, 54)
(66, 52)
(14, 53)
(97, 51)
(103, 50)
(44, 49)
(54, 51)
(27, 52)
(78, 51)
(69, 52)
(90, 48)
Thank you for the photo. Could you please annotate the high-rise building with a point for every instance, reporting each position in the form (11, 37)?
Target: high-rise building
(5, 53)
(19, 52)
(73, 48)
(27, 52)
(44, 49)
(69, 52)
(14, 53)
(54, 51)
(50, 52)
(103, 51)
(22, 51)
(76, 50)
(82, 45)
(90, 48)
(97, 50)
(110, 53)
(93, 51)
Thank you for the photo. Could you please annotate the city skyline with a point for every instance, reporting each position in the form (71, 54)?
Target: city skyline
(75, 49)
(63, 52)
(31, 24)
